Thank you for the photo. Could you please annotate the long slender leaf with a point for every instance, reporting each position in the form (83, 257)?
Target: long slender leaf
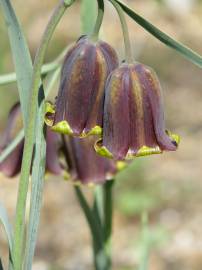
(20, 135)
(88, 16)
(37, 179)
(38, 170)
(12, 146)
(167, 40)
(20, 53)
(8, 229)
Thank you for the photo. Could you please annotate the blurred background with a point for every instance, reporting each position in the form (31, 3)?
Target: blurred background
(166, 188)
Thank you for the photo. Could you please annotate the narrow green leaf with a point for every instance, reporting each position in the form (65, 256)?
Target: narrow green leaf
(38, 171)
(11, 146)
(88, 16)
(11, 77)
(20, 53)
(8, 229)
(53, 77)
(164, 38)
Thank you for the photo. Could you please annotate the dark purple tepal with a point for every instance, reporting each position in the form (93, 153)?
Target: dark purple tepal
(85, 166)
(79, 105)
(12, 164)
(133, 115)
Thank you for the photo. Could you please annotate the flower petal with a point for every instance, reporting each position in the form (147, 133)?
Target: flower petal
(116, 113)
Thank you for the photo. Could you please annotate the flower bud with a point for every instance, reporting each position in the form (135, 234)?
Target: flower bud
(11, 166)
(85, 165)
(79, 105)
(133, 115)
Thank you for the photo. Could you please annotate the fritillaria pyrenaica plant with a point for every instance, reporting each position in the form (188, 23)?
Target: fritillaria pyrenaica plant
(107, 111)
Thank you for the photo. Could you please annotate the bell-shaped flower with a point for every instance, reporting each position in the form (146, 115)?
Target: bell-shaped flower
(11, 166)
(79, 104)
(84, 165)
(133, 122)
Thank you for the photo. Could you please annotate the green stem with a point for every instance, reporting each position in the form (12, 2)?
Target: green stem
(93, 225)
(47, 68)
(99, 20)
(30, 135)
(128, 51)
(108, 211)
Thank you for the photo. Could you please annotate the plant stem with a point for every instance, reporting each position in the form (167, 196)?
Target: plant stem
(100, 223)
(30, 135)
(99, 20)
(108, 217)
(128, 51)
(93, 225)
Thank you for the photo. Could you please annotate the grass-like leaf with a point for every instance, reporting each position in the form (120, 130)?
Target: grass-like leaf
(163, 37)
(11, 146)
(20, 53)
(38, 171)
(8, 229)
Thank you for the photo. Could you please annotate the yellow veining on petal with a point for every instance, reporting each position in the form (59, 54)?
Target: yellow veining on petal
(49, 110)
(138, 100)
(62, 127)
(102, 150)
(101, 66)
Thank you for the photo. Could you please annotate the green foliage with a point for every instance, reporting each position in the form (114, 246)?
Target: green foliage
(8, 230)
(163, 37)
(88, 16)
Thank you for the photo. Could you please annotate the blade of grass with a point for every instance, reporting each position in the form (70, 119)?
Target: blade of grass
(30, 132)
(163, 37)
(47, 68)
(21, 55)
(38, 170)
(8, 229)
(5, 153)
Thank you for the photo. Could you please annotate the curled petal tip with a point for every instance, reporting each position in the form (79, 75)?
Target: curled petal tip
(49, 114)
(97, 130)
(102, 150)
(175, 138)
(62, 127)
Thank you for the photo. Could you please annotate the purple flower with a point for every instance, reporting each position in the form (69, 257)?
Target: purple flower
(79, 105)
(85, 165)
(133, 115)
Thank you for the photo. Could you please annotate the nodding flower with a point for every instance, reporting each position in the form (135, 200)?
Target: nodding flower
(11, 166)
(84, 165)
(79, 105)
(133, 122)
